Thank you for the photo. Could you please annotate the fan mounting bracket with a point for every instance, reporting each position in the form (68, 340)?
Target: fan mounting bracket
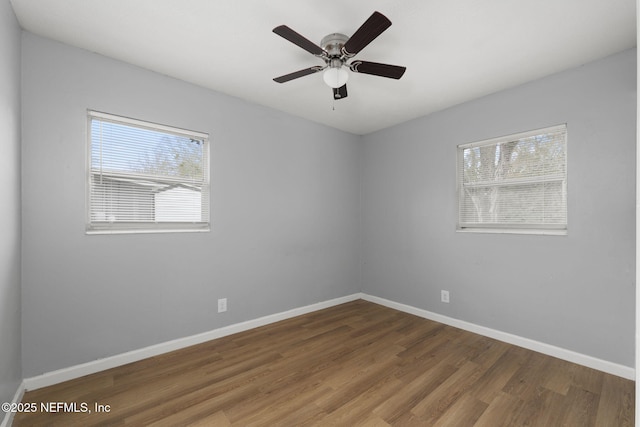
(333, 43)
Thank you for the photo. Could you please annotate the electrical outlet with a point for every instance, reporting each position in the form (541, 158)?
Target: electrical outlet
(444, 296)
(222, 305)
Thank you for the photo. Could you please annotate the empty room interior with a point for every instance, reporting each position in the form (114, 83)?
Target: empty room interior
(201, 225)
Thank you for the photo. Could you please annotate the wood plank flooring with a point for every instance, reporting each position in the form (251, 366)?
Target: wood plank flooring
(354, 364)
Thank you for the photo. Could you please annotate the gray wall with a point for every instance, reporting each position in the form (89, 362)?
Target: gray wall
(10, 257)
(575, 291)
(285, 215)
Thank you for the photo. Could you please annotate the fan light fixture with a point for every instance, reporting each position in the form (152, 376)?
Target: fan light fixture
(336, 49)
(335, 77)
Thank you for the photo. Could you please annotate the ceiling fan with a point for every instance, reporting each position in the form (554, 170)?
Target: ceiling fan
(336, 49)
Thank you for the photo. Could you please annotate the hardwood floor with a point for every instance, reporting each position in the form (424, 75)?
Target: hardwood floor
(354, 364)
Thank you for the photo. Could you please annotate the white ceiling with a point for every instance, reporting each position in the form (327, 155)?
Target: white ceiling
(454, 50)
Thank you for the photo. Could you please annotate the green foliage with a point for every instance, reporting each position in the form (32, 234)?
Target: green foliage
(515, 181)
(537, 156)
(175, 157)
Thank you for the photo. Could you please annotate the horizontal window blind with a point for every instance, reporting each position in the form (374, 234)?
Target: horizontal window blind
(146, 177)
(517, 182)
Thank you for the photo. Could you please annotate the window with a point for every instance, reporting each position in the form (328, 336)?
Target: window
(516, 183)
(144, 177)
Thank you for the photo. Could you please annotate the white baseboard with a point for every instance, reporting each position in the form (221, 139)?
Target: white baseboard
(77, 371)
(17, 398)
(550, 350)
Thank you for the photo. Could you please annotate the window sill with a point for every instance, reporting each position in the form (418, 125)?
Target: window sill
(513, 231)
(155, 231)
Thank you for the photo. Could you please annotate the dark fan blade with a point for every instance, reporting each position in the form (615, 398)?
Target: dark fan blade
(376, 69)
(297, 74)
(341, 92)
(297, 39)
(372, 28)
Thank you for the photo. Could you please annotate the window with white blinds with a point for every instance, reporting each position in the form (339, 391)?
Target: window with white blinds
(145, 177)
(516, 183)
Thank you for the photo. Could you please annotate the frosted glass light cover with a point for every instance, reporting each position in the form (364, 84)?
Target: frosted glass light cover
(335, 77)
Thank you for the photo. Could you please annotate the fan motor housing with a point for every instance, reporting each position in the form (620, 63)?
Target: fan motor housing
(332, 44)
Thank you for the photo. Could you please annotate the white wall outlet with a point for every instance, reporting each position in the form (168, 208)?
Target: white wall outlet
(444, 296)
(222, 305)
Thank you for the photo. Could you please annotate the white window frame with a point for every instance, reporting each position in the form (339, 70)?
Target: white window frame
(120, 227)
(546, 229)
